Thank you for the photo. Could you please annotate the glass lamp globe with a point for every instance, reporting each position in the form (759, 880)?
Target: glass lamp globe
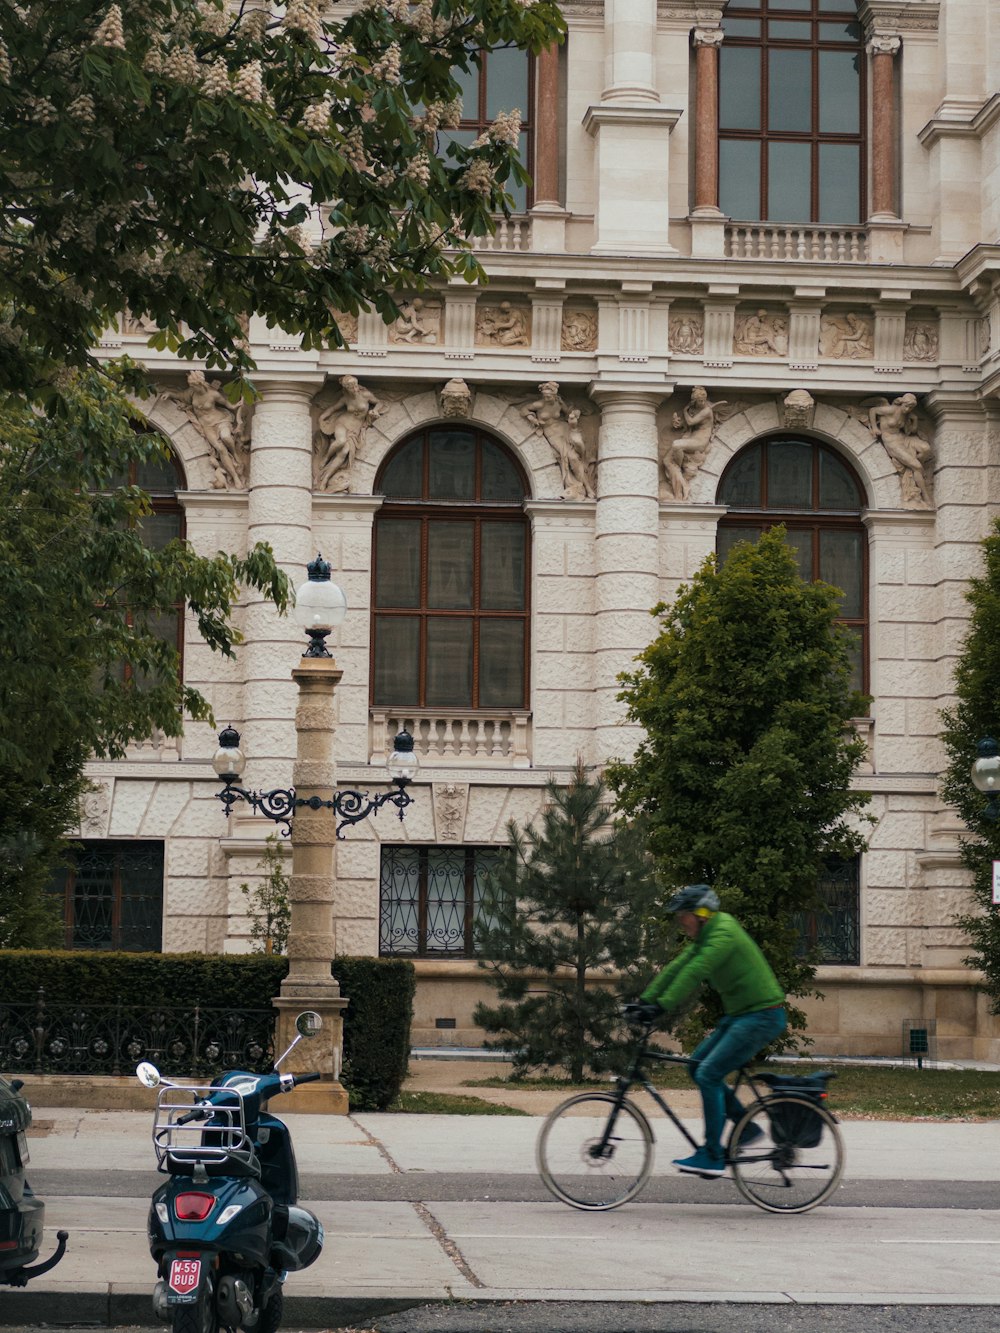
(229, 760)
(986, 769)
(320, 604)
(403, 762)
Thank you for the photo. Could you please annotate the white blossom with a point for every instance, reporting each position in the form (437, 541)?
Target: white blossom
(250, 82)
(42, 111)
(304, 16)
(215, 82)
(214, 19)
(181, 66)
(255, 24)
(316, 117)
(110, 31)
(418, 169)
(82, 109)
(506, 128)
(355, 238)
(389, 67)
(478, 178)
(5, 67)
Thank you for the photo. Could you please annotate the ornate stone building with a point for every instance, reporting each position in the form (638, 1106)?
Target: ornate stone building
(757, 280)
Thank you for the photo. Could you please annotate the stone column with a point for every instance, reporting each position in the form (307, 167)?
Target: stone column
(280, 513)
(548, 217)
(630, 37)
(708, 228)
(885, 230)
(312, 940)
(626, 556)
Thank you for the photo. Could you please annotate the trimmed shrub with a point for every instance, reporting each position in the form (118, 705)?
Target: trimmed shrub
(376, 1021)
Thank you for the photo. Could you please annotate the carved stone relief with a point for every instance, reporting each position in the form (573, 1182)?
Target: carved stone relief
(340, 433)
(579, 331)
(450, 802)
(920, 341)
(224, 426)
(419, 323)
(455, 399)
(896, 425)
(138, 326)
(762, 333)
(687, 334)
(798, 410)
(984, 335)
(503, 325)
(687, 443)
(555, 419)
(95, 807)
(849, 335)
(348, 325)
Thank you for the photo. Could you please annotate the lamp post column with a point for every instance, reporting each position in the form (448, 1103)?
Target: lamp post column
(311, 935)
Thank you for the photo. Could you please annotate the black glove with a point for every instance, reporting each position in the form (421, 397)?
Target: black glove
(642, 1011)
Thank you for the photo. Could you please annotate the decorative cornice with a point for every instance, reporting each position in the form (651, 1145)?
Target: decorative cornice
(880, 16)
(614, 113)
(974, 123)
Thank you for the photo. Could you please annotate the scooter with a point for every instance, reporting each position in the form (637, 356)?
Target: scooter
(22, 1214)
(226, 1228)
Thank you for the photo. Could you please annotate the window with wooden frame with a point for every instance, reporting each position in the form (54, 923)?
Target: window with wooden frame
(816, 495)
(792, 112)
(504, 80)
(450, 609)
(831, 933)
(430, 899)
(112, 896)
(160, 478)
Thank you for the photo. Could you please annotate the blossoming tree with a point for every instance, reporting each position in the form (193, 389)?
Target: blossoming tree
(192, 161)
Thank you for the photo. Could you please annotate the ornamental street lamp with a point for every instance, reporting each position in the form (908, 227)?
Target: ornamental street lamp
(312, 932)
(986, 776)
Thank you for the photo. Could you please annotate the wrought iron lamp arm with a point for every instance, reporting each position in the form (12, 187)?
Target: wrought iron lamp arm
(349, 807)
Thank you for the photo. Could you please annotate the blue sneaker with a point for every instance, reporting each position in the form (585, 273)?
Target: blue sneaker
(701, 1163)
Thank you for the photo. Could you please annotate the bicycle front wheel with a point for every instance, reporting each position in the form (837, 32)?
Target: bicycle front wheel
(594, 1153)
(786, 1154)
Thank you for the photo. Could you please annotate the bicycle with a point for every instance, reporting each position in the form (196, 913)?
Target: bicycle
(792, 1164)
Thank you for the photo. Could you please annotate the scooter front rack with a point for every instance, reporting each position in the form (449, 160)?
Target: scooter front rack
(216, 1141)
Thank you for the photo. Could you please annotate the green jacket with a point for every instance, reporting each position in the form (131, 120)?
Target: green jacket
(725, 956)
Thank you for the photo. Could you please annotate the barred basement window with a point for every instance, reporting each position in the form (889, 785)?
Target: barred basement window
(430, 899)
(112, 896)
(834, 931)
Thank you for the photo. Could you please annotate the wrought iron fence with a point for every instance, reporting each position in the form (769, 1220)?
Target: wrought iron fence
(188, 1041)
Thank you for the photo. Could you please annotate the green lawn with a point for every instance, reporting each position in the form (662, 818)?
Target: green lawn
(875, 1091)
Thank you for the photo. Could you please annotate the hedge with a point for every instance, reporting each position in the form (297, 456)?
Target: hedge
(376, 1021)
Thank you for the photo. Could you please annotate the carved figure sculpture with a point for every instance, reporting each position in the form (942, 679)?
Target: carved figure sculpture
(687, 335)
(579, 331)
(347, 324)
(895, 424)
(503, 326)
(762, 334)
(223, 425)
(920, 342)
(553, 418)
(455, 399)
(416, 323)
(847, 335)
(687, 451)
(341, 429)
(797, 410)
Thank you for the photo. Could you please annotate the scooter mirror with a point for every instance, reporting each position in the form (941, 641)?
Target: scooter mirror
(148, 1075)
(307, 1024)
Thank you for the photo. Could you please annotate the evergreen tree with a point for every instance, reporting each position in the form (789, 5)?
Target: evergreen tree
(744, 772)
(976, 716)
(563, 930)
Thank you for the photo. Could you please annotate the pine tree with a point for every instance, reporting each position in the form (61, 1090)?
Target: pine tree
(563, 930)
(975, 716)
(744, 773)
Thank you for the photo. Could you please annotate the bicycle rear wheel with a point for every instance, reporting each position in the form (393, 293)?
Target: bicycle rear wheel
(796, 1159)
(591, 1161)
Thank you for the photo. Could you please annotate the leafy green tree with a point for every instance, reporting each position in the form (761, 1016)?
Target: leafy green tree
(563, 932)
(83, 596)
(269, 909)
(194, 161)
(744, 773)
(974, 716)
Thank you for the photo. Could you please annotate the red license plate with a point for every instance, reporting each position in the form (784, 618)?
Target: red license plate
(185, 1274)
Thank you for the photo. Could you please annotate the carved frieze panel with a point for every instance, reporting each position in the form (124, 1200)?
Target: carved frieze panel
(420, 323)
(503, 325)
(348, 325)
(687, 332)
(847, 336)
(579, 331)
(920, 341)
(761, 332)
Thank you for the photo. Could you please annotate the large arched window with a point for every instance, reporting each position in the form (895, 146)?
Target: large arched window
(792, 112)
(450, 579)
(810, 489)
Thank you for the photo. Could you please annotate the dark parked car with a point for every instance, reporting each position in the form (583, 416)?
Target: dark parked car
(21, 1214)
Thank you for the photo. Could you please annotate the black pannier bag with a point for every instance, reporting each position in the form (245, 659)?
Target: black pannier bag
(799, 1126)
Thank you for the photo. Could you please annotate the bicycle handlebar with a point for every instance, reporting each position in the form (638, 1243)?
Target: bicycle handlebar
(306, 1078)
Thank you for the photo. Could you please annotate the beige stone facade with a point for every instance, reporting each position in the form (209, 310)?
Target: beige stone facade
(628, 288)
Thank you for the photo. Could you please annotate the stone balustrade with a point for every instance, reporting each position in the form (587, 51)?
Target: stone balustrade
(825, 245)
(497, 737)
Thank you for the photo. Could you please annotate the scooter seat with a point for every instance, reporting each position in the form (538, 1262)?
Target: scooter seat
(182, 1162)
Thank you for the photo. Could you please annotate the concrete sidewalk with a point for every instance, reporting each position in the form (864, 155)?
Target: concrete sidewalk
(436, 1244)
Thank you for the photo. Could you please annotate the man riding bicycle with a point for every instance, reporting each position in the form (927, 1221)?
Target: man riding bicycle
(720, 952)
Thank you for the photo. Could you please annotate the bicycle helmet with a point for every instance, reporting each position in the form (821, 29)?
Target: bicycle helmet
(693, 896)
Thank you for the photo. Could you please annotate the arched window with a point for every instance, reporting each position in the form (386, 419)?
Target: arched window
(810, 489)
(503, 81)
(450, 579)
(792, 112)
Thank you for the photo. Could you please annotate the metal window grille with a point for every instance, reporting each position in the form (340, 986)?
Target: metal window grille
(833, 932)
(112, 895)
(431, 899)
